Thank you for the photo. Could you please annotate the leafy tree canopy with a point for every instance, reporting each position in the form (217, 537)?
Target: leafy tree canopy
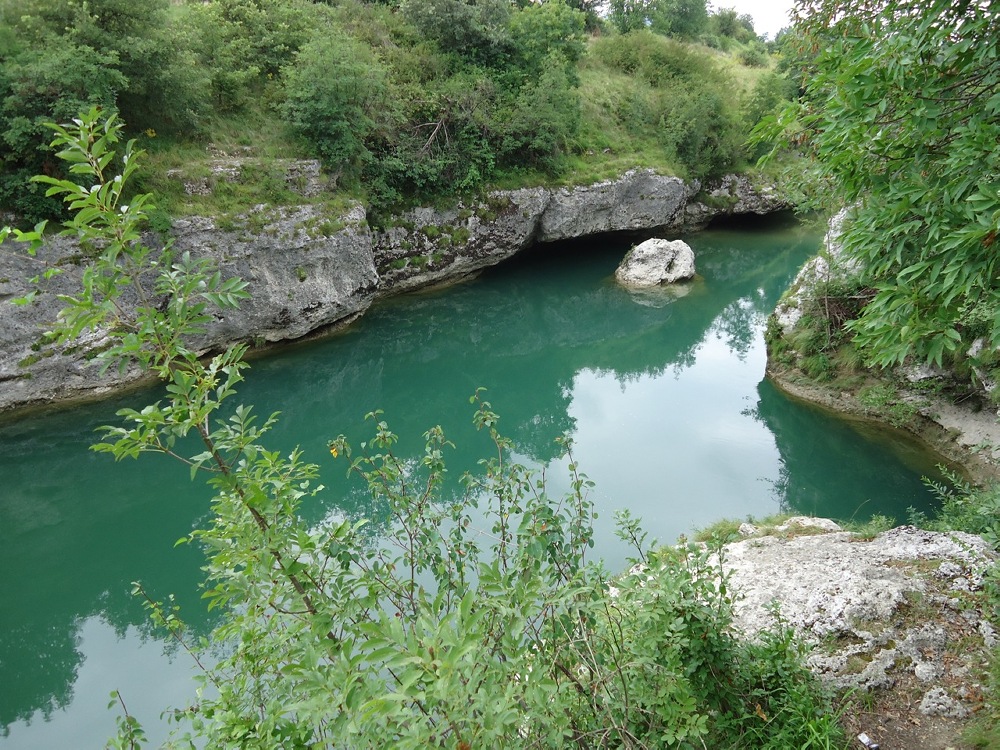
(681, 18)
(902, 115)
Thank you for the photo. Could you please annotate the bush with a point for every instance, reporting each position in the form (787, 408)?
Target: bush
(699, 128)
(446, 144)
(548, 32)
(53, 81)
(654, 58)
(754, 55)
(331, 93)
(545, 119)
(477, 30)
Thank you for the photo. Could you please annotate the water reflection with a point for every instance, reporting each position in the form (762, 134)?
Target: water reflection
(819, 451)
(75, 531)
(664, 403)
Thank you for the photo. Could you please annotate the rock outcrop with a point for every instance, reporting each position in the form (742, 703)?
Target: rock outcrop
(890, 611)
(308, 271)
(656, 262)
(303, 273)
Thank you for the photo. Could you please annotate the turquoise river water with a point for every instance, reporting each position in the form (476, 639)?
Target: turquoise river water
(665, 399)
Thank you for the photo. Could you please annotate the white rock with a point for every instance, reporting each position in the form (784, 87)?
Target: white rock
(937, 703)
(926, 672)
(809, 522)
(655, 262)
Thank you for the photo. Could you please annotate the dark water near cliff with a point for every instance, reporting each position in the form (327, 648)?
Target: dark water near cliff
(667, 405)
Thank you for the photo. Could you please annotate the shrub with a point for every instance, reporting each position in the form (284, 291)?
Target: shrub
(545, 118)
(478, 29)
(331, 93)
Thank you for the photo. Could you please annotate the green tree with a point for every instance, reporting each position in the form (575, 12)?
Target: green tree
(53, 80)
(478, 30)
(731, 23)
(680, 18)
(544, 121)
(244, 44)
(546, 29)
(333, 93)
(902, 116)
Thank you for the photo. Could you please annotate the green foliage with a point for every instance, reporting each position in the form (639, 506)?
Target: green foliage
(754, 55)
(403, 104)
(679, 18)
(729, 22)
(261, 35)
(473, 619)
(546, 33)
(332, 95)
(544, 121)
(654, 58)
(902, 115)
(884, 400)
(772, 92)
(54, 81)
(871, 528)
(965, 507)
(476, 29)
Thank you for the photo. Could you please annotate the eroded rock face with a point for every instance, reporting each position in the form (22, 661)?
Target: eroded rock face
(655, 262)
(428, 246)
(307, 270)
(878, 611)
(735, 195)
(638, 200)
(304, 272)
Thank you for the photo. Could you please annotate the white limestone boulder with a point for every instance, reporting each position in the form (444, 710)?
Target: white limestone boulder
(656, 262)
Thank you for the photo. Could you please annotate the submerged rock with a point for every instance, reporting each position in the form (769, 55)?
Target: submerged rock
(656, 262)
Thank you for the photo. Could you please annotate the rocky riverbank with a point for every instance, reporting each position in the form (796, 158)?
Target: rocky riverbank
(308, 271)
(916, 399)
(895, 620)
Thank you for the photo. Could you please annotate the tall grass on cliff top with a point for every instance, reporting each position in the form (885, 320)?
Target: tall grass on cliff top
(439, 631)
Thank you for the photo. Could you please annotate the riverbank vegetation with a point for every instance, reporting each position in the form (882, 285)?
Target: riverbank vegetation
(402, 101)
(912, 152)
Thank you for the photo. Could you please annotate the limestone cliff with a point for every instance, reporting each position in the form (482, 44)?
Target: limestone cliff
(308, 271)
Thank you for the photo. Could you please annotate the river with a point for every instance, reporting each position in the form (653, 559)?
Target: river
(664, 398)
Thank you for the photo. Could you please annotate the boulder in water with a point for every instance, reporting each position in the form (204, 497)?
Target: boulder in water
(656, 262)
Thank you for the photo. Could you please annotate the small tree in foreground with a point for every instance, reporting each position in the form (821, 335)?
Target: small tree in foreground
(474, 621)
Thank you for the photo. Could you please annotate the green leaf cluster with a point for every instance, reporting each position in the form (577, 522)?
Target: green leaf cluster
(902, 117)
